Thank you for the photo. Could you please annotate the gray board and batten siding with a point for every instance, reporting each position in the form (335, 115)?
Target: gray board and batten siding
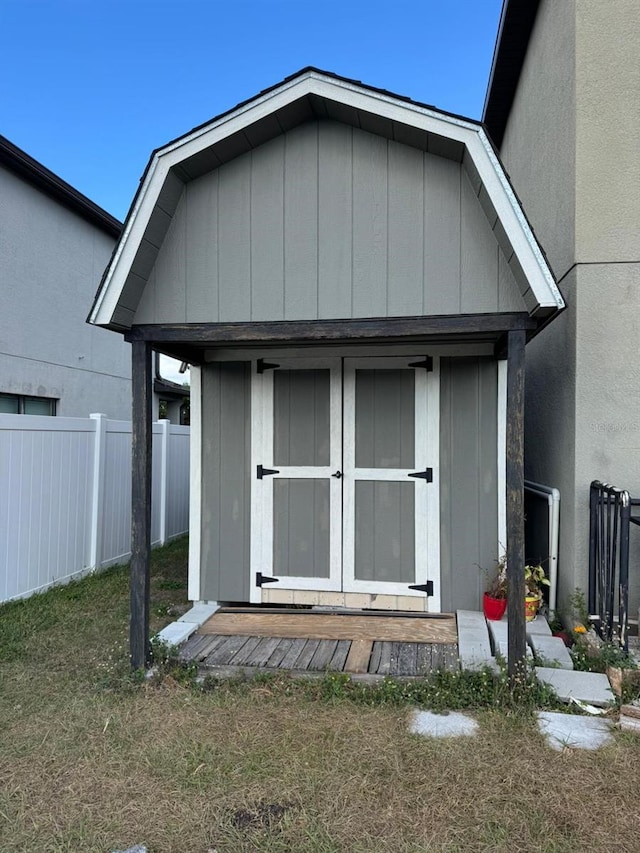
(328, 221)
(468, 479)
(226, 485)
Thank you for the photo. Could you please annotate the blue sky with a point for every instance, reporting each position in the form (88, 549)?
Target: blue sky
(90, 87)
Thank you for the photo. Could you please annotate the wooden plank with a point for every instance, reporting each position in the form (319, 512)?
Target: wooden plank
(359, 656)
(376, 653)
(384, 664)
(242, 656)
(406, 659)
(200, 650)
(263, 651)
(267, 231)
(139, 573)
(169, 288)
(307, 653)
(478, 254)
(291, 657)
(223, 653)
(234, 239)
(301, 222)
(450, 656)
(441, 236)
(280, 652)
(323, 654)
(334, 219)
(405, 230)
(339, 658)
(515, 504)
(337, 611)
(300, 331)
(193, 645)
(370, 233)
(424, 662)
(331, 627)
(437, 657)
(202, 248)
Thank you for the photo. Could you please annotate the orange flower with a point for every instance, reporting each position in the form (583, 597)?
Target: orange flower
(579, 629)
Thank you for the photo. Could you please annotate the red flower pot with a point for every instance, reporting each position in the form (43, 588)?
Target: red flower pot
(493, 608)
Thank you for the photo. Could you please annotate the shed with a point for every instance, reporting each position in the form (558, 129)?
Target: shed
(352, 280)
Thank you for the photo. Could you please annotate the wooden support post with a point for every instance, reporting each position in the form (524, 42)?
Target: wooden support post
(515, 503)
(140, 505)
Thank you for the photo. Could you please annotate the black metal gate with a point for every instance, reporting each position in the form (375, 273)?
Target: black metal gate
(610, 517)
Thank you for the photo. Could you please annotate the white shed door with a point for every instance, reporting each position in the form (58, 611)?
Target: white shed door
(345, 461)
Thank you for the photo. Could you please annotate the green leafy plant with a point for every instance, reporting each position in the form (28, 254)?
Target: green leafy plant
(534, 579)
(577, 610)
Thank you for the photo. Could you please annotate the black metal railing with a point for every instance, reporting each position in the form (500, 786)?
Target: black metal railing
(610, 519)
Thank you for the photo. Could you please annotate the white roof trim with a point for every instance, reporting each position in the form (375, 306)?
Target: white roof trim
(385, 105)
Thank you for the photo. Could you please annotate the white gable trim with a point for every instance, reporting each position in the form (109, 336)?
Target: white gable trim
(350, 94)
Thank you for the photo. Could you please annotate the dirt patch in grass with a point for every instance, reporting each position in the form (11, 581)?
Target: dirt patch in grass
(91, 761)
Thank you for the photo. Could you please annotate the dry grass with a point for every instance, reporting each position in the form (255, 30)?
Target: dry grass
(92, 762)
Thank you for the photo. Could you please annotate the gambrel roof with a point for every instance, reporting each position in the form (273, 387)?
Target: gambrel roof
(314, 95)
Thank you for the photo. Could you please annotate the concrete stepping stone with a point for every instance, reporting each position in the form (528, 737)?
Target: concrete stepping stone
(200, 612)
(452, 724)
(539, 625)
(574, 732)
(551, 651)
(591, 687)
(177, 632)
(498, 630)
(474, 648)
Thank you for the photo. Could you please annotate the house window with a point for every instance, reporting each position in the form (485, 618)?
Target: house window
(19, 404)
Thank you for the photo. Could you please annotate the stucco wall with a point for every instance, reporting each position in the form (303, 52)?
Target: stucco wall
(51, 261)
(539, 142)
(571, 148)
(608, 131)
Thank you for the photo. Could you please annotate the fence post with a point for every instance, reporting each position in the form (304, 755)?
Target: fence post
(164, 478)
(97, 490)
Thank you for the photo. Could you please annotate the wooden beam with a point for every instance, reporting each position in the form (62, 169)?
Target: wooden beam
(182, 353)
(516, 628)
(139, 647)
(488, 326)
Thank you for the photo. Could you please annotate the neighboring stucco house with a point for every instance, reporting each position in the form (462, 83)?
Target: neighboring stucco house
(54, 242)
(563, 107)
(352, 280)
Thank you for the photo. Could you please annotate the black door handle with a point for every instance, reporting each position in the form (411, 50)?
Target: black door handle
(337, 475)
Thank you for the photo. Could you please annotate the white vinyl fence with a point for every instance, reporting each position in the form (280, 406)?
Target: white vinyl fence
(65, 496)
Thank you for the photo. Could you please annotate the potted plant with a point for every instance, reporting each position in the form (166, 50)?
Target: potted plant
(494, 600)
(534, 579)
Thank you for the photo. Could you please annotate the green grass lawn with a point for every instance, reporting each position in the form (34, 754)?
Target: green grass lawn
(92, 759)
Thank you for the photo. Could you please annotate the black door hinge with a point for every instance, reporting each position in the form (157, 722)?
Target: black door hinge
(262, 579)
(263, 365)
(423, 587)
(427, 364)
(423, 475)
(266, 472)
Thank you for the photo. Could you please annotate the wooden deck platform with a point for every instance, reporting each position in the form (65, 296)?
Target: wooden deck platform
(304, 641)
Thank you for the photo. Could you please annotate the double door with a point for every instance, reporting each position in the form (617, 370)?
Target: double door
(345, 459)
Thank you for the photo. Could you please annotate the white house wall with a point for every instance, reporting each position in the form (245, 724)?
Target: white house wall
(50, 262)
(328, 221)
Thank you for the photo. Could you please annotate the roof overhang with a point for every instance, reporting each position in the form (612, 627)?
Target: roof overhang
(19, 162)
(514, 31)
(308, 95)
